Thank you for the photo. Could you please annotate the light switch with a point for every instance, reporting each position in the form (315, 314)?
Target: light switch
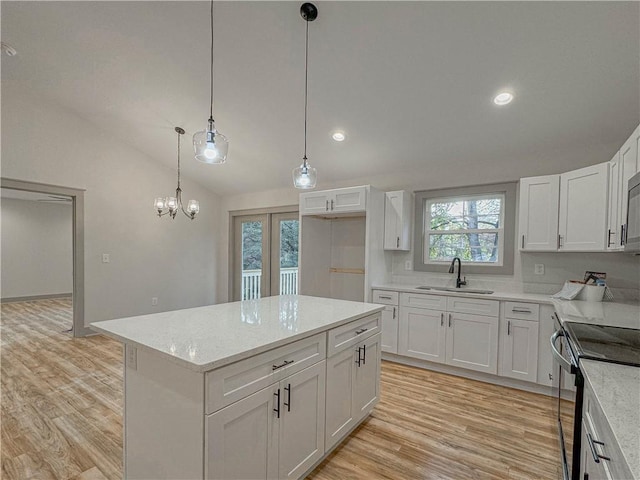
(105, 258)
(539, 269)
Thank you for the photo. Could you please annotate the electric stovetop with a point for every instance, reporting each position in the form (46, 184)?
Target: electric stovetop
(604, 343)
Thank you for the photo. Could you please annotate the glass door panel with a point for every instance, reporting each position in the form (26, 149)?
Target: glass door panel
(284, 253)
(251, 257)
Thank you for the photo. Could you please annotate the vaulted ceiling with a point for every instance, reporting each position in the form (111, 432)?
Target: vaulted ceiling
(411, 83)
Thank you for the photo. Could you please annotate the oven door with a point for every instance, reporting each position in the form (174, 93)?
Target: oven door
(567, 411)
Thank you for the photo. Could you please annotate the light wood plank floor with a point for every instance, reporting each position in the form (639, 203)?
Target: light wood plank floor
(61, 405)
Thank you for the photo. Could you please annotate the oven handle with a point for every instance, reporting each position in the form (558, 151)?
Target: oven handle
(564, 363)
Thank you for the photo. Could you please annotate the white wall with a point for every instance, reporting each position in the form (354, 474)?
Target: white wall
(36, 248)
(174, 260)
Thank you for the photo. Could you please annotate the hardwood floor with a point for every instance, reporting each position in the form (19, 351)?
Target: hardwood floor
(61, 406)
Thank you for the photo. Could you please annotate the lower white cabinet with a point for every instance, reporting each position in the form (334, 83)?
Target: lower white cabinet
(277, 432)
(390, 329)
(422, 334)
(519, 347)
(353, 387)
(472, 342)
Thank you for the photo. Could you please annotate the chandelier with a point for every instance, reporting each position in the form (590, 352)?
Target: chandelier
(171, 205)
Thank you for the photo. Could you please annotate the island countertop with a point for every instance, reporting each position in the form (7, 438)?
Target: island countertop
(205, 338)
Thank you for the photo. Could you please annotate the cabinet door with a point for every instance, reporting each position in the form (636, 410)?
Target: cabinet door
(546, 370)
(348, 200)
(421, 334)
(390, 329)
(538, 219)
(313, 203)
(520, 349)
(615, 197)
(629, 166)
(589, 468)
(472, 342)
(339, 402)
(242, 439)
(366, 385)
(583, 209)
(302, 417)
(397, 226)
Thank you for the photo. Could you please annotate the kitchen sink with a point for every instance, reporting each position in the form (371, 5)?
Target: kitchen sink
(456, 290)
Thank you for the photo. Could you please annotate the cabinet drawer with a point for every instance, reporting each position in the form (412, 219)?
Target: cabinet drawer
(385, 297)
(601, 432)
(473, 306)
(229, 384)
(351, 333)
(522, 311)
(420, 300)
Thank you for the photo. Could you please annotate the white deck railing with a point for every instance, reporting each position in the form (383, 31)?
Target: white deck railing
(251, 282)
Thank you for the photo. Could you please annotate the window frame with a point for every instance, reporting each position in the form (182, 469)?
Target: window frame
(424, 199)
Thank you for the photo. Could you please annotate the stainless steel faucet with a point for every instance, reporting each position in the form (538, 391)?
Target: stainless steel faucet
(459, 282)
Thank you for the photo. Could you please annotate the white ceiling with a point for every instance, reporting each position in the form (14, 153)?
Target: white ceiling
(411, 83)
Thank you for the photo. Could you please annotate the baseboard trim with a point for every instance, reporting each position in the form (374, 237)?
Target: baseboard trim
(473, 375)
(30, 298)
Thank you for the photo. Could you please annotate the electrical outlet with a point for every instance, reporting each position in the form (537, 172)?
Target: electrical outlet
(538, 269)
(154, 301)
(407, 265)
(105, 258)
(132, 357)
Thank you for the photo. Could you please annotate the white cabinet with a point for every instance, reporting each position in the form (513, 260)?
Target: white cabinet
(455, 336)
(519, 341)
(397, 220)
(276, 432)
(538, 218)
(353, 387)
(340, 200)
(472, 342)
(614, 223)
(390, 314)
(629, 166)
(583, 209)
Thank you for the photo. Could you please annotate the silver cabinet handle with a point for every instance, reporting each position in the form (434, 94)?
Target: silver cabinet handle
(326, 209)
(362, 330)
(385, 297)
(509, 327)
(594, 453)
(622, 239)
(449, 320)
(442, 319)
(609, 238)
(394, 312)
(520, 310)
(332, 205)
(397, 242)
(522, 241)
(559, 241)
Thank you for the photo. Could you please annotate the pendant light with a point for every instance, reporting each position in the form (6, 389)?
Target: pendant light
(170, 205)
(305, 175)
(209, 145)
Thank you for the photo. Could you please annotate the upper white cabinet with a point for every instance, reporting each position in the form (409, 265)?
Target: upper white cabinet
(583, 209)
(629, 166)
(614, 229)
(538, 219)
(340, 200)
(397, 220)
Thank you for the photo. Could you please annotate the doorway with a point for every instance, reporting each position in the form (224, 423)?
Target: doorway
(76, 198)
(265, 254)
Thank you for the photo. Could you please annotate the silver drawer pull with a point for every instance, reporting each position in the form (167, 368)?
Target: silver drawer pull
(386, 298)
(520, 310)
(362, 330)
(286, 362)
(594, 453)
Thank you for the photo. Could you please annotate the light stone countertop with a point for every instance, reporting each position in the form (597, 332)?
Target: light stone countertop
(613, 314)
(205, 338)
(617, 391)
(515, 297)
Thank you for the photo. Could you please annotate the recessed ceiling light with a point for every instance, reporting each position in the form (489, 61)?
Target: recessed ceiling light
(503, 98)
(338, 136)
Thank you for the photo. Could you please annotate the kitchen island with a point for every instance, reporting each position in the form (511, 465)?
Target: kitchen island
(254, 389)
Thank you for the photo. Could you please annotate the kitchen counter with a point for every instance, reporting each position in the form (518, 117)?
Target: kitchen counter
(209, 337)
(626, 315)
(517, 297)
(617, 391)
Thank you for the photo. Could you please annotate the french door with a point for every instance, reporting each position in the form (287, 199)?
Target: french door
(265, 255)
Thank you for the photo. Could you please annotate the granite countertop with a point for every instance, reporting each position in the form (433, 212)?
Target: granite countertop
(617, 391)
(614, 314)
(516, 297)
(209, 337)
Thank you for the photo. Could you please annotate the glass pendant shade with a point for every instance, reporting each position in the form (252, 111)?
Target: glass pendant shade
(210, 146)
(171, 203)
(193, 206)
(159, 203)
(304, 176)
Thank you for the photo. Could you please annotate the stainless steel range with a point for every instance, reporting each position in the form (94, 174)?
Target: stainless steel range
(571, 342)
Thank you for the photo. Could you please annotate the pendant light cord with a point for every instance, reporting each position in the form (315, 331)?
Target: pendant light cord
(179, 135)
(211, 83)
(306, 87)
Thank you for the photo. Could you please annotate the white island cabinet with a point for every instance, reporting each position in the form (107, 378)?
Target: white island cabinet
(243, 390)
